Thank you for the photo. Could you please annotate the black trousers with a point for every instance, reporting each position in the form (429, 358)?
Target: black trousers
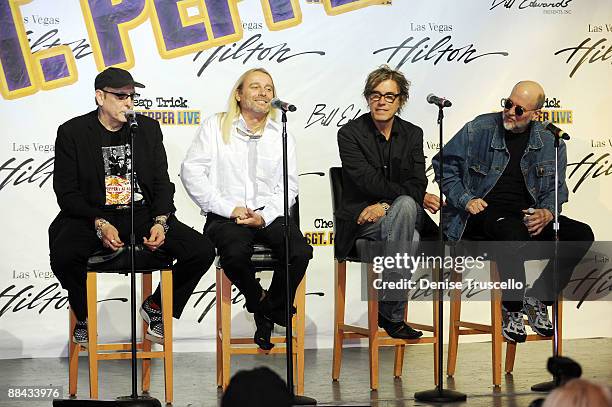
(235, 246)
(73, 240)
(502, 225)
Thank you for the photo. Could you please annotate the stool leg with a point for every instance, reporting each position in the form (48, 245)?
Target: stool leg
(510, 356)
(73, 357)
(295, 365)
(146, 283)
(226, 318)
(339, 309)
(436, 328)
(398, 362)
(92, 331)
(496, 328)
(436, 334)
(219, 328)
(300, 319)
(453, 327)
(372, 330)
(559, 327)
(166, 294)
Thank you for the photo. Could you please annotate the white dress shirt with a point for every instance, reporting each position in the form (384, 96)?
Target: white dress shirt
(247, 172)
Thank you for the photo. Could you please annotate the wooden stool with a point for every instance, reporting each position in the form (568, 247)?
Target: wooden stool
(376, 337)
(458, 327)
(109, 351)
(246, 346)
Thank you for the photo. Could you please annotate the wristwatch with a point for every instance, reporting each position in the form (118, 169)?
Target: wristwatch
(99, 223)
(162, 220)
(385, 206)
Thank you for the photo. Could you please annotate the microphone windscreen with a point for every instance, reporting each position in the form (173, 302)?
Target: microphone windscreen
(276, 103)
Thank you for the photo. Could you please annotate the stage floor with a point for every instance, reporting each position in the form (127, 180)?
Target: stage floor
(194, 375)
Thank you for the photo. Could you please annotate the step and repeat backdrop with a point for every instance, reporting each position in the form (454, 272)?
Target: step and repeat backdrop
(189, 54)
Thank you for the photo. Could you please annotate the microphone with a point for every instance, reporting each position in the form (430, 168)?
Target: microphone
(130, 115)
(440, 102)
(284, 106)
(557, 132)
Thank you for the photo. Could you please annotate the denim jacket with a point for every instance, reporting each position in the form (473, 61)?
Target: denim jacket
(475, 158)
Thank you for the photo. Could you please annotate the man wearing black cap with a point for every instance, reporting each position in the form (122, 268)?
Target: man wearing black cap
(94, 201)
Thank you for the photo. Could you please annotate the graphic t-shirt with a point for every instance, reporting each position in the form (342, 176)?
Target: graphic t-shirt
(117, 158)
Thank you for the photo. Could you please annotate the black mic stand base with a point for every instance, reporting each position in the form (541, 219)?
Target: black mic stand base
(304, 401)
(438, 395)
(127, 401)
(545, 386)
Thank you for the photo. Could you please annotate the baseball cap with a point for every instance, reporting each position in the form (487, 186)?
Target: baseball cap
(115, 78)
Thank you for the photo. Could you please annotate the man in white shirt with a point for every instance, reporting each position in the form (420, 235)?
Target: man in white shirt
(233, 172)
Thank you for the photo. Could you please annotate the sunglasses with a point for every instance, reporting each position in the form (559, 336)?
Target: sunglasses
(518, 110)
(122, 96)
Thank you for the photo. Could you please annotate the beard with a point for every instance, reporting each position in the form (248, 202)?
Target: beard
(256, 107)
(514, 126)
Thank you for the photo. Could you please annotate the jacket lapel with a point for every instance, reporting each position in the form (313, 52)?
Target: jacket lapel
(371, 148)
(94, 145)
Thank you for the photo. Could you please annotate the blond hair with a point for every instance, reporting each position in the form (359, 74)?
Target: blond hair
(227, 118)
(579, 393)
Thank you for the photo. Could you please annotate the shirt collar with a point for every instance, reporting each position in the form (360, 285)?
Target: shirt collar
(394, 128)
(242, 130)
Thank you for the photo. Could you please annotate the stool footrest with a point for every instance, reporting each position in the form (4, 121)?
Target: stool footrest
(483, 328)
(249, 341)
(139, 355)
(118, 346)
(256, 350)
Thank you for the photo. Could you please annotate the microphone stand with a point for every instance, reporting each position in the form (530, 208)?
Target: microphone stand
(297, 399)
(133, 400)
(556, 382)
(440, 394)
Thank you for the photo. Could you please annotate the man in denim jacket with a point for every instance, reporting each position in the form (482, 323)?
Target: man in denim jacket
(499, 176)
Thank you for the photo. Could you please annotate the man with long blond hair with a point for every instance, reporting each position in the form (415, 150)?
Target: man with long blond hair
(233, 172)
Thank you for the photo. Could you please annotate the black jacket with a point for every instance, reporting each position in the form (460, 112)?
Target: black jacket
(78, 176)
(364, 181)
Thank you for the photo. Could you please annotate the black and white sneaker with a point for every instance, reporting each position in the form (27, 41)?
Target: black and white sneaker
(537, 313)
(151, 313)
(79, 335)
(513, 326)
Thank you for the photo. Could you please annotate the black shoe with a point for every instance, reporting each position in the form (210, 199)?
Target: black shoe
(263, 331)
(398, 330)
(401, 330)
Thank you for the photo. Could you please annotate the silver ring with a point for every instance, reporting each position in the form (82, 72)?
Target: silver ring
(113, 241)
